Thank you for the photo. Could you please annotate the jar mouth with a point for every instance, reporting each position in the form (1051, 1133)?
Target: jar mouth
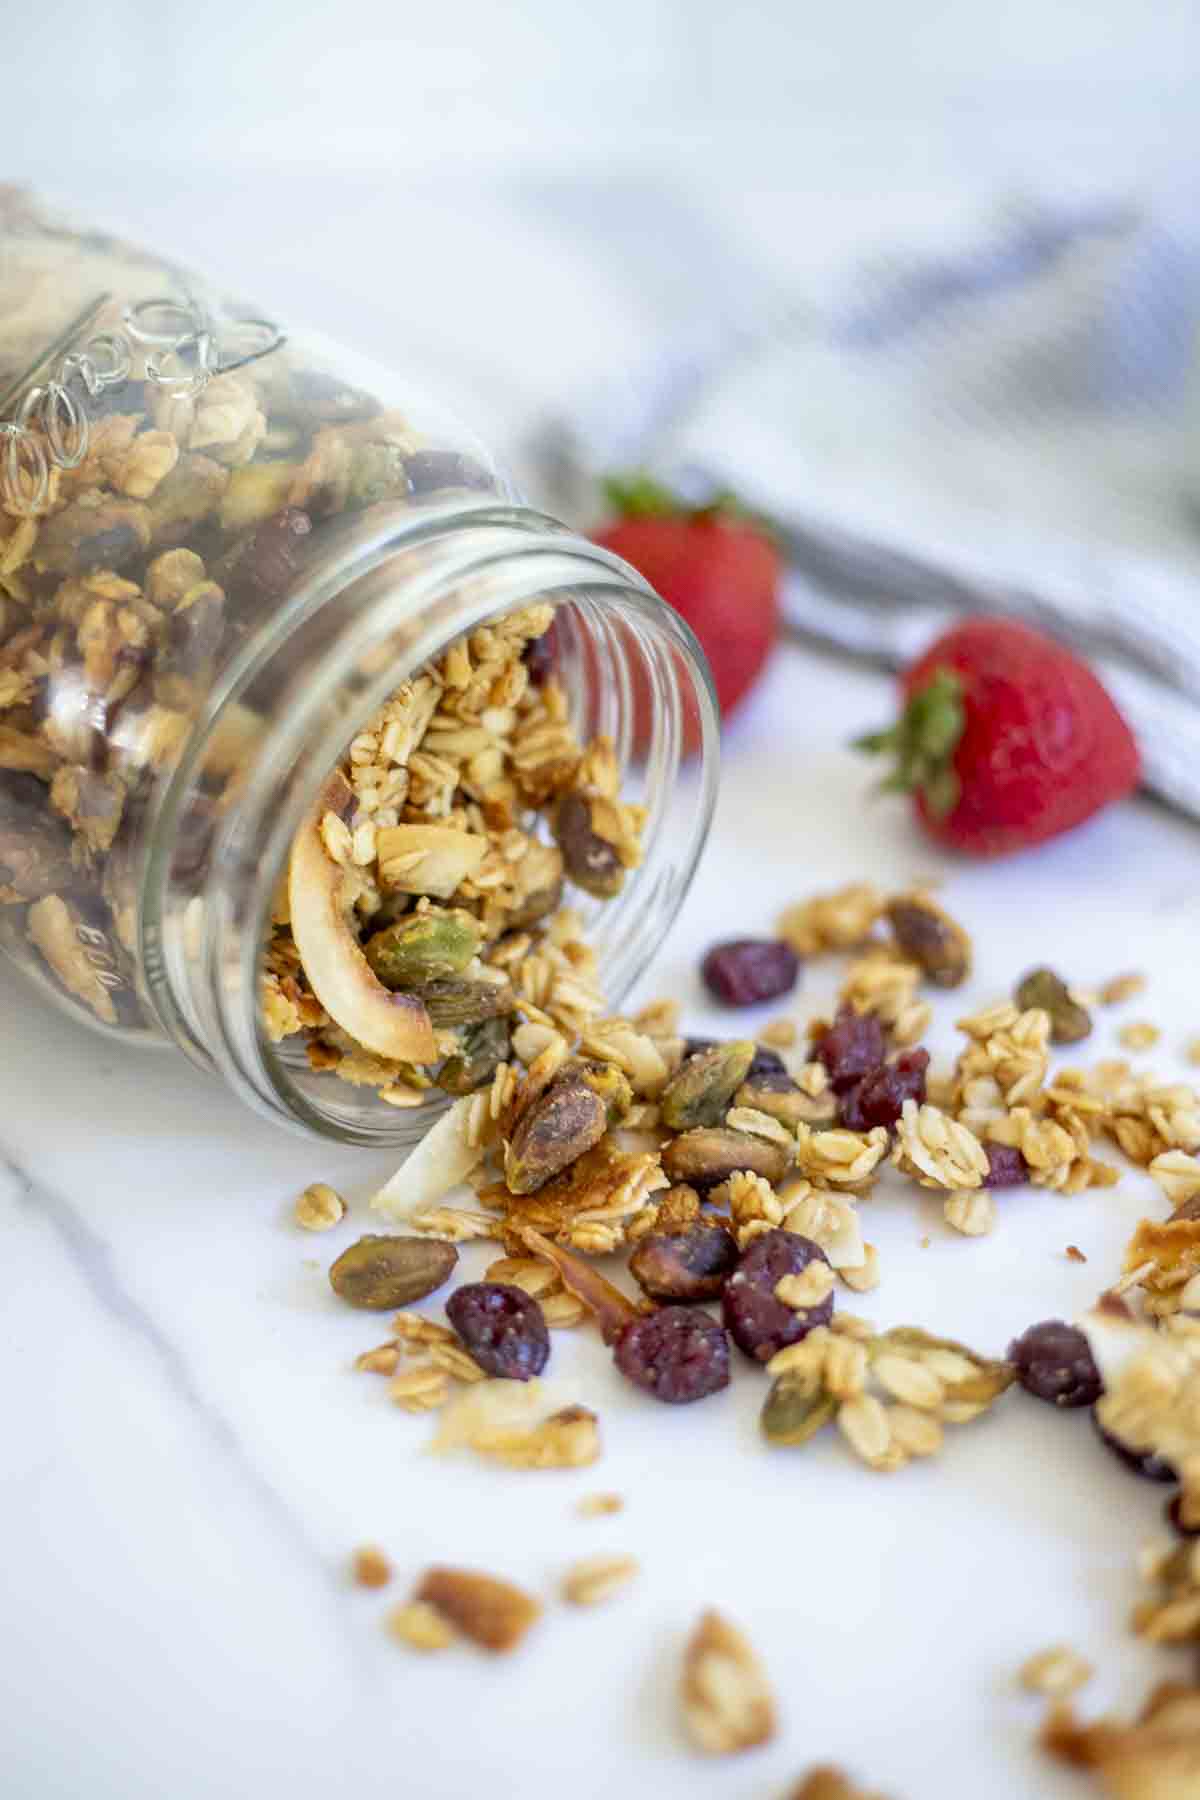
(371, 617)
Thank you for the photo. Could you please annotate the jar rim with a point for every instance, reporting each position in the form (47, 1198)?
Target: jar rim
(380, 607)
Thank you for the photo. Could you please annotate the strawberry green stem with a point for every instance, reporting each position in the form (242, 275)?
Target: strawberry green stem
(922, 743)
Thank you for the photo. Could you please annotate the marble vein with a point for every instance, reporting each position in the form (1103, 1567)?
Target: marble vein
(92, 1259)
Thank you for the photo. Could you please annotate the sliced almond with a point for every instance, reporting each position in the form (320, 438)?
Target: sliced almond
(427, 859)
(392, 1025)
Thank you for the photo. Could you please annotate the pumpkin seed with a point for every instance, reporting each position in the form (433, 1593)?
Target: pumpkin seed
(791, 1414)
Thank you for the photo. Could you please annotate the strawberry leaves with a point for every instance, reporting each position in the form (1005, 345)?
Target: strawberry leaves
(922, 742)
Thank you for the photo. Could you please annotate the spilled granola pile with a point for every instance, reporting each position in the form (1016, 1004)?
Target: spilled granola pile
(421, 927)
(724, 1175)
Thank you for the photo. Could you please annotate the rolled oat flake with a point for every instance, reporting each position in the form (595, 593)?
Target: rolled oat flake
(308, 727)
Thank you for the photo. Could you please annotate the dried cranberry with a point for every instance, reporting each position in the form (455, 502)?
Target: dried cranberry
(503, 1327)
(853, 1046)
(747, 970)
(1143, 1462)
(766, 1062)
(539, 657)
(878, 1099)
(1054, 1363)
(1173, 1511)
(1006, 1166)
(269, 561)
(689, 1264)
(678, 1355)
(758, 1323)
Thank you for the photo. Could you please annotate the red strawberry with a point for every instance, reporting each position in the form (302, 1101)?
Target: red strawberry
(1006, 739)
(718, 567)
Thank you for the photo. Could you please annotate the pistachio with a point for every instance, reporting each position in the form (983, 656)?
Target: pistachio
(564, 1121)
(689, 1263)
(792, 1413)
(700, 1092)
(930, 937)
(591, 861)
(781, 1098)
(540, 902)
(465, 1000)
(381, 1272)
(484, 1048)
(377, 472)
(423, 947)
(607, 1081)
(710, 1155)
(1069, 1022)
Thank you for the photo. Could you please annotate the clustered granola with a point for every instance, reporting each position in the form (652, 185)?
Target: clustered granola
(171, 527)
(712, 1163)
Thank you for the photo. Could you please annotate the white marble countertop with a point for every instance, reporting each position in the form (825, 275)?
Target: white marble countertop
(188, 1459)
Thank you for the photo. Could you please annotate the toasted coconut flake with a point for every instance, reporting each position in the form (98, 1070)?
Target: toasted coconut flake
(444, 1157)
(395, 1026)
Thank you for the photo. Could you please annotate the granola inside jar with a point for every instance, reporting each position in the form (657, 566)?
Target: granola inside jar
(321, 755)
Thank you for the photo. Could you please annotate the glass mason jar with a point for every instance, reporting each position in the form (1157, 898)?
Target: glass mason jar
(224, 550)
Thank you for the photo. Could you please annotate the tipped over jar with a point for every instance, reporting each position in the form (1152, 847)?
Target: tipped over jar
(321, 755)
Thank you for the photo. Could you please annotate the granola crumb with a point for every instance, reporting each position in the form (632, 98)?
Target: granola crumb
(808, 1289)
(779, 1034)
(1055, 1673)
(370, 1567)
(1192, 1050)
(412, 1328)
(1075, 1254)
(658, 1019)
(728, 1705)
(382, 1360)
(492, 1613)
(828, 1783)
(865, 1278)
(597, 1578)
(1119, 988)
(319, 1207)
(420, 1626)
(597, 1506)
(1139, 1035)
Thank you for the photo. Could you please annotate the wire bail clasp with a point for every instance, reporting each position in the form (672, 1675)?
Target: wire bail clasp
(63, 432)
(184, 349)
